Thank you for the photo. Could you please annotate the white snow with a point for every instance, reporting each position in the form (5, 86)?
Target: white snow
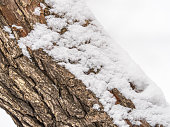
(142, 28)
(9, 31)
(42, 5)
(11, 36)
(17, 27)
(37, 11)
(96, 106)
(83, 48)
(36, 37)
(56, 23)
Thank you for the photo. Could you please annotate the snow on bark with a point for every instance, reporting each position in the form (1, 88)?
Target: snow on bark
(76, 41)
(9, 31)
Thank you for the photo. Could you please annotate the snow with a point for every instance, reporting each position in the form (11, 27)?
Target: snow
(81, 49)
(17, 27)
(9, 31)
(42, 5)
(56, 23)
(96, 106)
(142, 28)
(36, 37)
(37, 11)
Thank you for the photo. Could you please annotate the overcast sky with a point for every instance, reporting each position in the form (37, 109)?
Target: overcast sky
(142, 27)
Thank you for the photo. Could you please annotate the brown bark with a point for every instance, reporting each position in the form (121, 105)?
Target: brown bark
(40, 93)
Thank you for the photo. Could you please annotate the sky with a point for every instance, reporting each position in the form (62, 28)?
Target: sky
(142, 28)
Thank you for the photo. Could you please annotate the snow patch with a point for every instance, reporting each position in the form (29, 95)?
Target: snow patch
(42, 5)
(8, 30)
(96, 106)
(37, 11)
(17, 27)
(35, 38)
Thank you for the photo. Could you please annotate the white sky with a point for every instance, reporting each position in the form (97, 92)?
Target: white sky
(5, 119)
(141, 27)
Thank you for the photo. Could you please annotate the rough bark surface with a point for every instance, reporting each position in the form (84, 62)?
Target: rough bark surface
(39, 92)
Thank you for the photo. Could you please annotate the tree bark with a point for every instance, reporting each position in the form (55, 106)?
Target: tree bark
(39, 92)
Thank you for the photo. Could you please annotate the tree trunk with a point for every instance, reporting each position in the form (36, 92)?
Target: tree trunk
(39, 92)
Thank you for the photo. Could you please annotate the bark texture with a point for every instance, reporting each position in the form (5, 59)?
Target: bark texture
(39, 92)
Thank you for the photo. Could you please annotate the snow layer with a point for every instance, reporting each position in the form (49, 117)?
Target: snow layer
(81, 49)
(37, 11)
(96, 106)
(9, 31)
(17, 27)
